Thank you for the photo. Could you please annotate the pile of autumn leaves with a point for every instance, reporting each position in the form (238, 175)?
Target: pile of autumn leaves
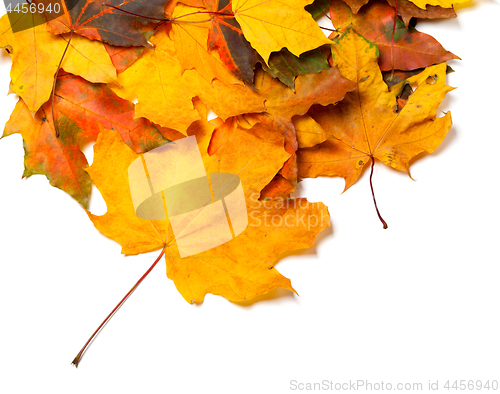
(290, 102)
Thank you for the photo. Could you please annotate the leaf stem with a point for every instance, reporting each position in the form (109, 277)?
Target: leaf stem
(392, 39)
(55, 82)
(326, 28)
(79, 356)
(203, 12)
(373, 194)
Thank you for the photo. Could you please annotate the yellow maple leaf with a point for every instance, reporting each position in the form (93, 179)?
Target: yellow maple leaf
(36, 54)
(163, 97)
(271, 25)
(235, 270)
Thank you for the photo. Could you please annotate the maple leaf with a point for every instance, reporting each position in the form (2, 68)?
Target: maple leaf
(116, 22)
(228, 270)
(36, 55)
(409, 50)
(234, 269)
(270, 25)
(366, 125)
(83, 108)
(59, 159)
(254, 155)
(164, 97)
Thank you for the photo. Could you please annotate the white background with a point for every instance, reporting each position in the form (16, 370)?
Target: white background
(417, 302)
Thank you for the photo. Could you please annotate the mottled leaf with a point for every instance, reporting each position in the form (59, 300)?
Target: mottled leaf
(286, 66)
(98, 21)
(409, 50)
(59, 159)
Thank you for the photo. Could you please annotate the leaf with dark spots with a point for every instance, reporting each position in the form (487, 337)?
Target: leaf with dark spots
(94, 106)
(120, 26)
(409, 50)
(286, 66)
(393, 78)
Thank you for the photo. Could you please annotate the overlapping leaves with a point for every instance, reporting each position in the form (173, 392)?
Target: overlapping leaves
(289, 103)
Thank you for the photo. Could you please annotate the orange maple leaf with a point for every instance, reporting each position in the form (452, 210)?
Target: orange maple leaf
(368, 124)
